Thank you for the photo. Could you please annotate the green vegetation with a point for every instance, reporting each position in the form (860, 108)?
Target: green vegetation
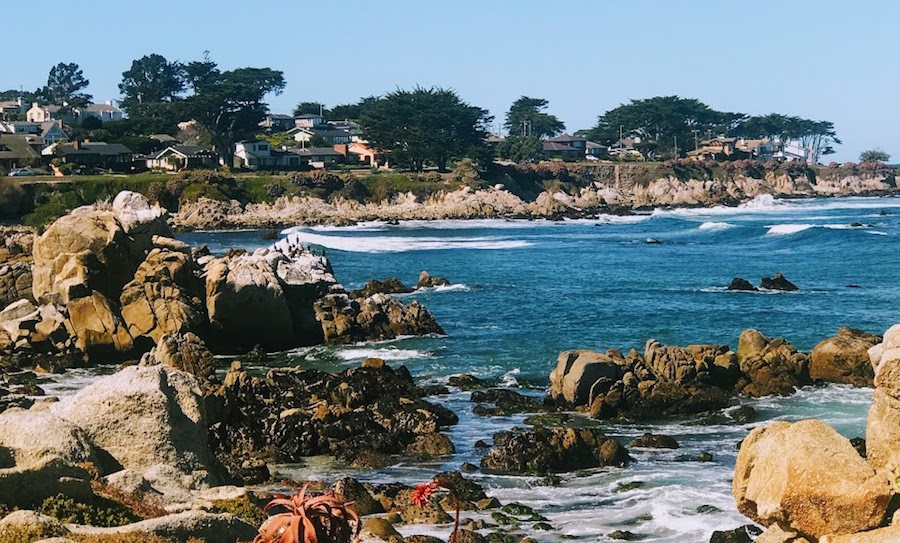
(243, 509)
(874, 155)
(526, 117)
(105, 513)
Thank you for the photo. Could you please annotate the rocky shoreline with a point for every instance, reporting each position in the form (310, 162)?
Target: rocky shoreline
(619, 195)
(170, 447)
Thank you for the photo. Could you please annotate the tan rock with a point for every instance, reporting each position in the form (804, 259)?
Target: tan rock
(808, 477)
(890, 534)
(883, 436)
(750, 343)
(576, 372)
(96, 325)
(185, 352)
(777, 534)
(844, 358)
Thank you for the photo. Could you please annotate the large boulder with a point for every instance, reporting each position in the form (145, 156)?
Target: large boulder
(83, 251)
(808, 477)
(185, 352)
(844, 358)
(165, 296)
(97, 326)
(552, 450)
(889, 534)
(209, 527)
(683, 365)
(16, 281)
(378, 317)
(883, 423)
(773, 366)
(144, 416)
(577, 371)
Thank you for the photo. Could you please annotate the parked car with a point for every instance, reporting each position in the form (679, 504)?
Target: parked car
(21, 172)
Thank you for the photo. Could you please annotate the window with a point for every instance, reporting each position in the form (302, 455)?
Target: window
(262, 147)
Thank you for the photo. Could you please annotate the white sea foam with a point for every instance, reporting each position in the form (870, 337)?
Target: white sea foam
(399, 244)
(509, 378)
(713, 225)
(361, 353)
(459, 287)
(788, 229)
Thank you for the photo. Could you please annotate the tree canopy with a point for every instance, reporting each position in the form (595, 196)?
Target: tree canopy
(422, 125)
(151, 79)
(819, 136)
(520, 148)
(874, 155)
(310, 108)
(64, 85)
(526, 117)
(230, 105)
(662, 122)
(350, 111)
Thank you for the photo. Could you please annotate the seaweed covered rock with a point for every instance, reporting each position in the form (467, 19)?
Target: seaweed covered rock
(553, 450)
(293, 413)
(375, 286)
(807, 477)
(844, 358)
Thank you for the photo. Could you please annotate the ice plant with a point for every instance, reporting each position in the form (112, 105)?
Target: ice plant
(320, 519)
(423, 493)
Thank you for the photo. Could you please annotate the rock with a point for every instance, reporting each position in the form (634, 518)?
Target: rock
(351, 490)
(889, 534)
(31, 437)
(378, 317)
(35, 523)
(625, 535)
(506, 402)
(844, 358)
(776, 534)
(431, 445)
(467, 382)
(778, 282)
(773, 366)
(651, 441)
(137, 216)
(86, 250)
(388, 286)
(577, 371)
(380, 528)
(808, 477)
(860, 445)
(427, 281)
(185, 352)
(550, 450)
(29, 484)
(165, 296)
(97, 326)
(739, 283)
(144, 416)
(883, 435)
(744, 534)
(16, 282)
(466, 490)
(213, 528)
(743, 414)
(488, 503)
(422, 539)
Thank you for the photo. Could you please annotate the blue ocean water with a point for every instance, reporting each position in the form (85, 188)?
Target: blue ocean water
(524, 291)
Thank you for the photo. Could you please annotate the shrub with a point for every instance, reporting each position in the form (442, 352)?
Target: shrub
(243, 509)
(317, 179)
(26, 534)
(12, 199)
(275, 190)
(106, 513)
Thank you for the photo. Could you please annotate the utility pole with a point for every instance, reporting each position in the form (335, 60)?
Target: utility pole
(696, 141)
(675, 138)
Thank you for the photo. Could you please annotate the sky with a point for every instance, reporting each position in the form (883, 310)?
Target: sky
(818, 59)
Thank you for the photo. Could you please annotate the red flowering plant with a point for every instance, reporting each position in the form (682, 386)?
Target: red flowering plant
(318, 519)
(423, 493)
(453, 484)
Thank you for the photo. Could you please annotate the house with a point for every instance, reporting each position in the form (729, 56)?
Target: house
(721, 149)
(183, 157)
(276, 122)
(309, 120)
(595, 150)
(359, 152)
(572, 141)
(561, 151)
(625, 149)
(258, 154)
(112, 156)
(165, 139)
(50, 131)
(327, 134)
(105, 112)
(352, 127)
(9, 108)
(16, 151)
(785, 151)
(320, 157)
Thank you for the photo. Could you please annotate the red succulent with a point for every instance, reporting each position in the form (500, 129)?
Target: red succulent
(321, 519)
(423, 493)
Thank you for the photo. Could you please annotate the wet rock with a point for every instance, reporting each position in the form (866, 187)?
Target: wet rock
(860, 445)
(778, 282)
(378, 317)
(739, 283)
(351, 490)
(388, 286)
(427, 281)
(460, 487)
(709, 510)
(625, 535)
(808, 477)
(430, 445)
(844, 358)
(577, 371)
(380, 528)
(468, 466)
(772, 366)
(488, 503)
(744, 534)
(467, 382)
(481, 445)
(505, 402)
(654, 441)
(743, 414)
(549, 450)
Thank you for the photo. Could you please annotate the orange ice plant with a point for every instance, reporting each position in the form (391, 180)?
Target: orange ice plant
(320, 519)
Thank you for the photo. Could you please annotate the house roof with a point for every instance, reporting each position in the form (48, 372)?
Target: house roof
(164, 138)
(183, 150)
(309, 116)
(47, 126)
(559, 147)
(594, 145)
(16, 148)
(315, 151)
(566, 138)
(324, 132)
(101, 108)
(9, 104)
(281, 116)
(93, 148)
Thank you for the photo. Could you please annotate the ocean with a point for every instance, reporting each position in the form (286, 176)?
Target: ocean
(523, 291)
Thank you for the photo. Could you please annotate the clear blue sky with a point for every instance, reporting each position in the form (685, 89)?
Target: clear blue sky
(819, 59)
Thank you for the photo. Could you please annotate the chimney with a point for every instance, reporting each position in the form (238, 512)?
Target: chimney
(76, 145)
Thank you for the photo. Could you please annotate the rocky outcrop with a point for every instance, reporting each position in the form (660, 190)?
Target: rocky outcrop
(97, 325)
(375, 286)
(427, 281)
(293, 413)
(844, 358)
(379, 317)
(739, 283)
(778, 282)
(771, 366)
(883, 423)
(544, 450)
(210, 527)
(807, 477)
(185, 352)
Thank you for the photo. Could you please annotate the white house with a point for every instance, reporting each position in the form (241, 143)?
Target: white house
(50, 131)
(183, 157)
(329, 135)
(258, 154)
(309, 120)
(105, 112)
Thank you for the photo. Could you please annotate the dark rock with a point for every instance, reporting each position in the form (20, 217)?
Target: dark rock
(860, 445)
(652, 241)
(773, 366)
(468, 466)
(430, 445)
(739, 283)
(778, 282)
(552, 450)
(625, 535)
(631, 485)
(464, 489)
(427, 281)
(708, 509)
(388, 286)
(744, 414)
(378, 317)
(270, 234)
(652, 441)
(506, 402)
(481, 445)
(422, 539)
(744, 534)
(856, 225)
(467, 382)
